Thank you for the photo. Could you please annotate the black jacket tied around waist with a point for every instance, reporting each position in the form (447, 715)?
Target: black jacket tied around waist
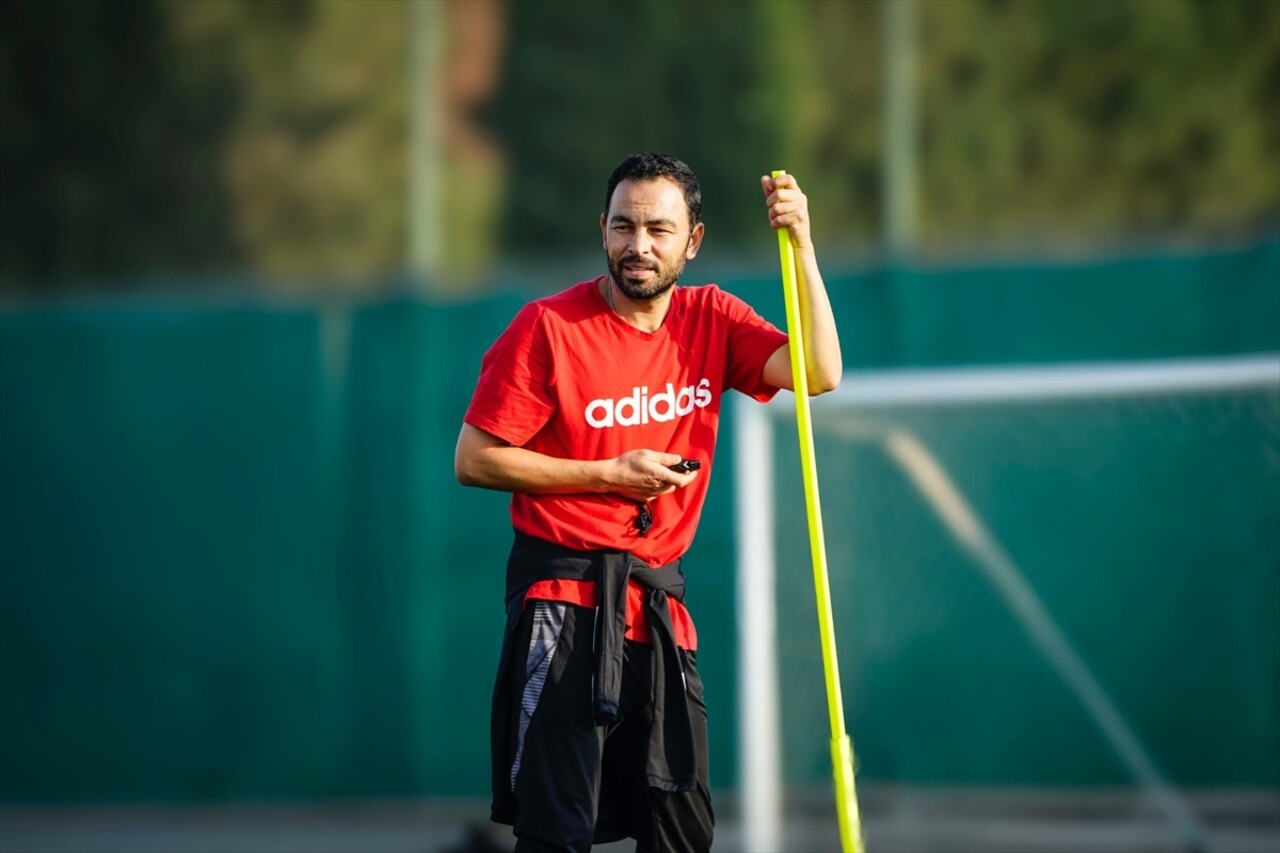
(670, 762)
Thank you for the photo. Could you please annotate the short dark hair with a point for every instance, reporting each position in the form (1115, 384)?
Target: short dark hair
(650, 166)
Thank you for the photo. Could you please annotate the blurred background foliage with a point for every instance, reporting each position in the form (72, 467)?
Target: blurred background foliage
(267, 141)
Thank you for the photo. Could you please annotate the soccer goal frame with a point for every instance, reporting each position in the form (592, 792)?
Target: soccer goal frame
(760, 783)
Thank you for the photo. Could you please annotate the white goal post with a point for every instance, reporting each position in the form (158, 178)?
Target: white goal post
(759, 751)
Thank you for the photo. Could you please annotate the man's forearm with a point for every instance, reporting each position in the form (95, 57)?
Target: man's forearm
(515, 469)
(823, 360)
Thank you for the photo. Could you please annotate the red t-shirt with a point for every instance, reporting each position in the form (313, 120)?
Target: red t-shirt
(569, 378)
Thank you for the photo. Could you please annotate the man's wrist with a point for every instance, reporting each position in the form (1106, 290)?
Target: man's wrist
(593, 475)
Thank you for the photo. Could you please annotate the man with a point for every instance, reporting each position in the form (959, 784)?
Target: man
(584, 409)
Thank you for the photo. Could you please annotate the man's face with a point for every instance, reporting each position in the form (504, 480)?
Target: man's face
(647, 238)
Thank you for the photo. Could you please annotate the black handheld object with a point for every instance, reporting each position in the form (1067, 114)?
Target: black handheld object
(684, 466)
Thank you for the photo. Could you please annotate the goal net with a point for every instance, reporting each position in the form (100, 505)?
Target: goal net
(1051, 585)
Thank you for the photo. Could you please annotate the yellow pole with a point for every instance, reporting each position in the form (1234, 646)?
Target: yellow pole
(842, 759)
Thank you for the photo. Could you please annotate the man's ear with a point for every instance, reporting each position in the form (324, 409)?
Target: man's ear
(695, 241)
(604, 240)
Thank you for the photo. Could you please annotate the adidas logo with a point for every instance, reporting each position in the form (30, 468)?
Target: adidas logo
(640, 407)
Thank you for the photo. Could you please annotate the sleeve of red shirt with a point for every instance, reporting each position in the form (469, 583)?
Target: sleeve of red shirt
(752, 340)
(513, 398)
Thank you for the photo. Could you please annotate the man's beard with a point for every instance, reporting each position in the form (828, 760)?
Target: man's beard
(651, 289)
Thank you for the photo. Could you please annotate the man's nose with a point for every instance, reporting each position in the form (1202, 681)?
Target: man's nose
(639, 243)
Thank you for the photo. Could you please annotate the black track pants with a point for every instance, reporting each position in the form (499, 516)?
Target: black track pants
(577, 783)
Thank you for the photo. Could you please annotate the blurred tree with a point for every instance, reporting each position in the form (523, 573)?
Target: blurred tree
(1099, 120)
(316, 157)
(588, 83)
(475, 164)
(111, 142)
(149, 138)
(844, 141)
(230, 136)
(270, 136)
(1084, 121)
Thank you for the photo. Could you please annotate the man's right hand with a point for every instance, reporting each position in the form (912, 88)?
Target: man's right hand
(643, 475)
